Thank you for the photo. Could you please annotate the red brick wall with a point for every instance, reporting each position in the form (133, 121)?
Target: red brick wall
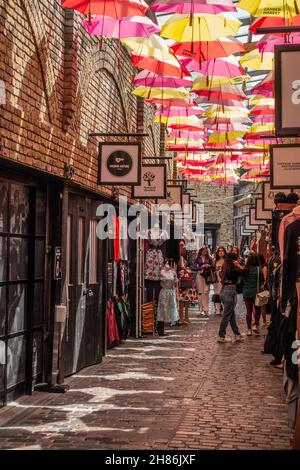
(61, 85)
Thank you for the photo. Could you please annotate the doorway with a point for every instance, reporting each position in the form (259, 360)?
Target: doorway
(85, 264)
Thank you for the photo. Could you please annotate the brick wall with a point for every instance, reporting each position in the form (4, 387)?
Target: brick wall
(62, 84)
(218, 209)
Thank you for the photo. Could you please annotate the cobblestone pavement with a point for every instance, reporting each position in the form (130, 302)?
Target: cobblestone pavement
(182, 391)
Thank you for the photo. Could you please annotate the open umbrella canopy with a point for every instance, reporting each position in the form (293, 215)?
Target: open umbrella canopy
(172, 111)
(268, 42)
(199, 27)
(183, 103)
(222, 67)
(162, 93)
(268, 21)
(231, 92)
(207, 50)
(229, 127)
(160, 66)
(220, 101)
(222, 137)
(192, 6)
(187, 135)
(263, 111)
(208, 83)
(265, 87)
(147, 47)
(226, 120)
(114, 8)
(283, 8)
(106, 26)
(261, 119)
(261, 101)
(150, 79)
(254, 60)
(227, 112)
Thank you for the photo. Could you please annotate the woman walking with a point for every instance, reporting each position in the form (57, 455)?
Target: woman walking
(203, 267)
(230, 276)
(253, 279)
(263, 264)
(218, 265)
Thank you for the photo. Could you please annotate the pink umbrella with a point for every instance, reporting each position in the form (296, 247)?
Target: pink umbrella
(168, 111)
(263, 119)
(150, 79)
(220, 101)
(214, 68)
(193, 6)
(266, 85)
(182, 134)
(227, 127)
(228, 91)
(132, 26)
(268, 42)
(231, 120)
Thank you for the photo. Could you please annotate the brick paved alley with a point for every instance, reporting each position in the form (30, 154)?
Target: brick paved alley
(183, 391)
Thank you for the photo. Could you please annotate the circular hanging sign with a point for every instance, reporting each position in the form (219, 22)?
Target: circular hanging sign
(119, 163)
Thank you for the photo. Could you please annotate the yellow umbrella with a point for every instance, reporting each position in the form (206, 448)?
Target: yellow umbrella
(221, 137)
(161, 93)
(181, 141)
(199, 27)
(226, 112)
(261, 101)
(255, 60)
(282, 8)
(262, 128)
(177, 120)
(146, 46)
(208, 82)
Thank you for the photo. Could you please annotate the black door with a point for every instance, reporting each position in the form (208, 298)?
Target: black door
(83, 338)
(22, 280)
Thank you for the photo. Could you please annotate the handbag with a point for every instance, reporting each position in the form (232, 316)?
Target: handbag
(216, 299)
(261, 298)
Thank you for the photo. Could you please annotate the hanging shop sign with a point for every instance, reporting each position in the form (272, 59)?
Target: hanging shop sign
(186, 203)
(120, 163)
(269, 195)
(287, 89)
(285, 166)
(245, 233)
(249, 226)
(253, 219)
(260, 213)
(153, 183)
(173, 198)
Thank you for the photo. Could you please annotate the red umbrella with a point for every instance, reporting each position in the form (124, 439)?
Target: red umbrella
(273, 22)
(207, 50)
(159, 67)
(115, 8)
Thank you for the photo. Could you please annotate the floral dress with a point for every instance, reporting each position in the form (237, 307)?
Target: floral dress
(154, 260)
(186, 294)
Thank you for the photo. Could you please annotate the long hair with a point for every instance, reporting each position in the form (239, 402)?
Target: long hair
(200, 252)
(252, 260)
(227, 266)
(217, 252)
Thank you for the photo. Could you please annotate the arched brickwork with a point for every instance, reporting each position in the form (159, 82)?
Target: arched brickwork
(34, 16)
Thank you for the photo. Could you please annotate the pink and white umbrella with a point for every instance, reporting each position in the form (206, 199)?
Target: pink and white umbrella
(182, 134)
(150, 79)
(268, 42)
(172, 111)
(132, 26)
(221, 67)
(193, 6)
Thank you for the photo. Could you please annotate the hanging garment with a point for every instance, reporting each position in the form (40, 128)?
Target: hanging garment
(117, 239)
(167, 304)
(154, 264)
(112, 328)
(122, 317)
(285, 222)
(289, 273)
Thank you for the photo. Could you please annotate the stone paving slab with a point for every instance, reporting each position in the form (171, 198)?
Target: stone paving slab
(183, 391)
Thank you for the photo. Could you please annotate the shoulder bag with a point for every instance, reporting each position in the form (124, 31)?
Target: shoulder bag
(261, 298)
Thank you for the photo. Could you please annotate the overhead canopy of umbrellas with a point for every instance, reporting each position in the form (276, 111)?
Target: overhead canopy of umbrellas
(193, 70)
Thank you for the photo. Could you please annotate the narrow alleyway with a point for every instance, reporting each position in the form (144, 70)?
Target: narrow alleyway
(183, 391)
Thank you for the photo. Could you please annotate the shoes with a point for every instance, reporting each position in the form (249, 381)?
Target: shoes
(275, 363)
(256, 331)
(238, 338)
(223, 340)
(249, 333)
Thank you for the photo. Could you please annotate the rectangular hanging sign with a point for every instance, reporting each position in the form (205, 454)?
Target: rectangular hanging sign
(253, 219)
(174, 198)
(287, 89)
(260, 213)
(249, 226)
(285, 166)
(120, 163)
(245, 233)
(153, 183)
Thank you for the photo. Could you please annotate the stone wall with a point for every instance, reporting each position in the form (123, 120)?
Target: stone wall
(61, 84)
(218, 208)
